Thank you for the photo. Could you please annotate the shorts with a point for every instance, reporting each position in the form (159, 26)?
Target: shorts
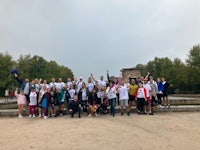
(131, 98)
(165, 94)
(148, 100)
(124, 102)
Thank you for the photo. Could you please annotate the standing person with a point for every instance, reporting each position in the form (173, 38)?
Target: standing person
(33, 103)
(61, 93)
(25, 86)
(147, 86)
(84, 97)
(53, 103)
(123, 97)
(79, 86)
(160, 91)
(45, 102)
(101, 81)
(71, 92)
(111, 94)
(53, 83)
(6, 95)
(132, 93)
(166, 86)
(69, 83)
(21, 101)
(154, 91)
(141, 98)
(60, 84)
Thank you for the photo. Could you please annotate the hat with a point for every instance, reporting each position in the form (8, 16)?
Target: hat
(81, 77)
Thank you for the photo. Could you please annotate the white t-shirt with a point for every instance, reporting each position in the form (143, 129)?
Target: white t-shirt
(148, 89)
(79, 85)
(69, 84)
(44, 86)
(52, 84)
(84, 94)
(60, 85)
(33, 99)
(111, 92)
(123, 92)
(101, 83)
(90, 86)
(71, 93)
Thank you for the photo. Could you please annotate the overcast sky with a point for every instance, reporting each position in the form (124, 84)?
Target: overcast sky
(96, 35)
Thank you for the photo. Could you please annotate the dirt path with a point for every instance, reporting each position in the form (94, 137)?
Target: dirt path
(170, 131)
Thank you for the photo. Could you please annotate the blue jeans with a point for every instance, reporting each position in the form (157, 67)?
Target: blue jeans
(112, 105)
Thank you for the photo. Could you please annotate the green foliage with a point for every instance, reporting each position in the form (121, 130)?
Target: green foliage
(194, 57)
(31, 68)
(184, 77)
(38, 67)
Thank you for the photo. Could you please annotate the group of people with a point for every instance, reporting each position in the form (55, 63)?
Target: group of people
(91, 98)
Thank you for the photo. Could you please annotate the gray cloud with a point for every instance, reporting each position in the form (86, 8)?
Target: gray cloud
(93, 35)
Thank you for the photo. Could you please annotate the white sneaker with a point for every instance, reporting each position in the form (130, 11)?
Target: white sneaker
(45, 117)
(89, 115)
(20, 116)
(33, 115)
(40, 115)
(96, 115)
(30, 116)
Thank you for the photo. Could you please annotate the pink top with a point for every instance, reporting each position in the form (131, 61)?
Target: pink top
(21, 99)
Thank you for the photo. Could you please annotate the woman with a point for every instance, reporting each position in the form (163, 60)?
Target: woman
(111, 94)
(21, 101)
(123, 97)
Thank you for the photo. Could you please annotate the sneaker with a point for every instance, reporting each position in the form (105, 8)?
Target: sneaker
(168, 106)
(89, 115)
(20, 116)
(128, 114)
(40, 115)
(113, 115)
(33, 115)
(30, 116)
(96, 115)
(45, 117)
(122, 114)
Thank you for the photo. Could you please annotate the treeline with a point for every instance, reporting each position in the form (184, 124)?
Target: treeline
(29, 67)
(184, 76)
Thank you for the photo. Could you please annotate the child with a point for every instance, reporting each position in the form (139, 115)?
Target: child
(33, 103)
(53, 103)
(93, 103)
(6, 95)
(21, 101)
(141, 98)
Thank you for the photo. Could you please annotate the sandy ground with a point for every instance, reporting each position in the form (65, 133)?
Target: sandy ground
(164, 131)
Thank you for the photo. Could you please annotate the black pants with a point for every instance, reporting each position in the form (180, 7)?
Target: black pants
(84, 105)
(159, 96)
(141, 103)
(75, 108)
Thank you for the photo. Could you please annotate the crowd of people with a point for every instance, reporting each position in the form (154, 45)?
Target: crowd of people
(91, 98)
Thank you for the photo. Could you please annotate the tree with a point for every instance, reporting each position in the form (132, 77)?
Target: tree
(6, 65)
(194, 57)
(193, 63)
